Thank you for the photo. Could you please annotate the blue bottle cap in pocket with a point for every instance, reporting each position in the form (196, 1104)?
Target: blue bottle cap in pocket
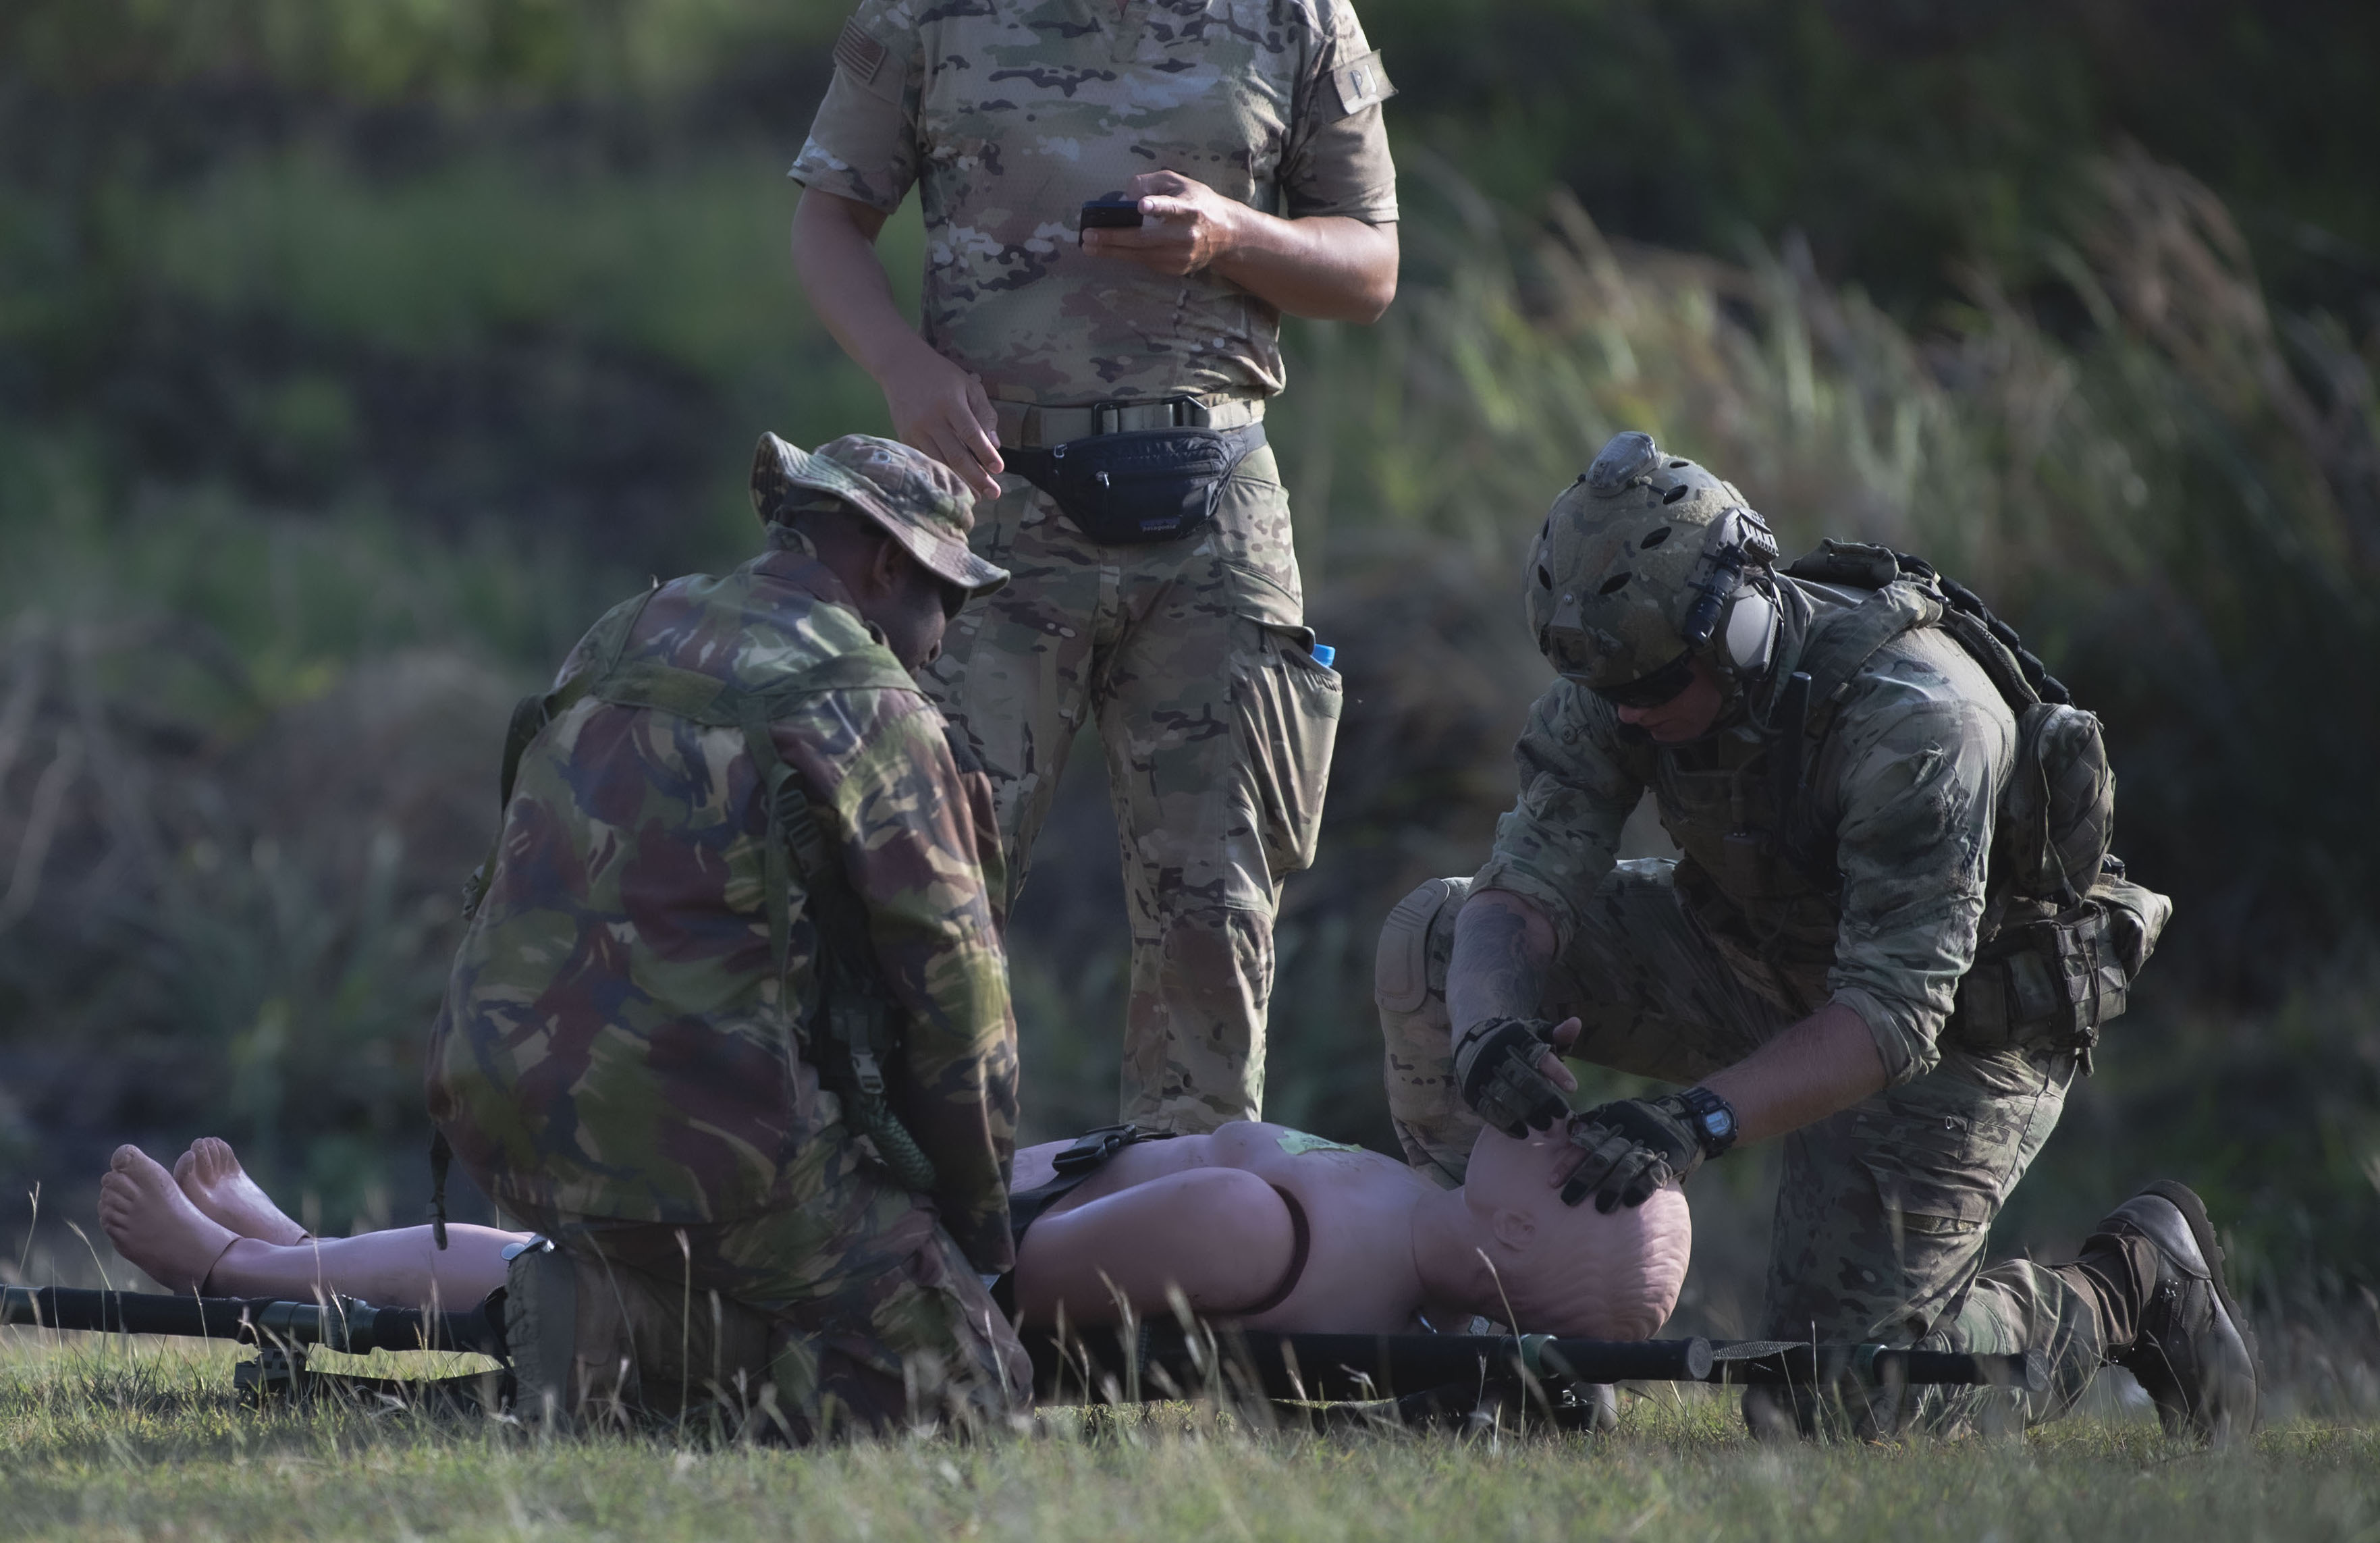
(1324, 653)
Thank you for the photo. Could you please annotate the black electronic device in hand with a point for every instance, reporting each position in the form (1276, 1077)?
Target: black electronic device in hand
(1116, 211)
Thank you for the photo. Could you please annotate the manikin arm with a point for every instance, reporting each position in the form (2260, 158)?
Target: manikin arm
(1222, 1235)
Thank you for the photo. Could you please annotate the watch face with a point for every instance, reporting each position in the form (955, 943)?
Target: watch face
(1720, 1124)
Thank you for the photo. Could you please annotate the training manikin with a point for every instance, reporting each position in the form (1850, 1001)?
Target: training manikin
(1253, 1222)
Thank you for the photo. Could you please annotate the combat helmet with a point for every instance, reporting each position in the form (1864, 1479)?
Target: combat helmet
(1647, 561)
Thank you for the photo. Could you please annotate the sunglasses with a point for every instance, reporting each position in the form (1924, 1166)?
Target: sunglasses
(1657, 688)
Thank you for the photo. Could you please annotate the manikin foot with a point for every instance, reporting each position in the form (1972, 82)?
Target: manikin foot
(211, 1176)
(153, 1224)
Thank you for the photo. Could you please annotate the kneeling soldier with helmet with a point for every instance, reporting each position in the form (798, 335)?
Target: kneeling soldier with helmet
(1890, 940)
(730, 1024)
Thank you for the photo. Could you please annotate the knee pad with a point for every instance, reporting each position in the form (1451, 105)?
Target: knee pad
(1401, 980)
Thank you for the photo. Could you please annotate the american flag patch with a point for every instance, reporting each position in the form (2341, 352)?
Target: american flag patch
(856, 51)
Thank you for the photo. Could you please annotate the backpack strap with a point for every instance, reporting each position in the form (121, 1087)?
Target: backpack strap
(1830, 660)
(605, 640)
(853, 1007)
(851, 1029)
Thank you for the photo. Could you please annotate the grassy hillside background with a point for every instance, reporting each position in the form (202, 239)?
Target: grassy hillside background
(354, 355)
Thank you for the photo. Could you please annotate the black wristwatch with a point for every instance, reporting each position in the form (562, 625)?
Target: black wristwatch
(1712, 1119)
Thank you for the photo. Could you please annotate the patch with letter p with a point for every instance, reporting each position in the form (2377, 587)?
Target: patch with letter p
(1363, 84)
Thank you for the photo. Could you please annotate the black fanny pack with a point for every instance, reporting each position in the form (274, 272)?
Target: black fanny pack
(1141, 485)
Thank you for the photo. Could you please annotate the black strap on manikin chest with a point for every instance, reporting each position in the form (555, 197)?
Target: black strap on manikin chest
(1091, 1151)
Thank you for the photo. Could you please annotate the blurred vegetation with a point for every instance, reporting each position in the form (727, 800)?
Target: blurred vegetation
(354, 355)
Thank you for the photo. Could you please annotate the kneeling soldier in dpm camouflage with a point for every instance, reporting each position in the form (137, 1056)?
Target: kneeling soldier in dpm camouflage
(731, 1024)
(1890, 940)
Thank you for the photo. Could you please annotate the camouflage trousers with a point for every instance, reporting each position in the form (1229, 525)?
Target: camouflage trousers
(1192, 660)
(865, 1315)
(1883, 1211)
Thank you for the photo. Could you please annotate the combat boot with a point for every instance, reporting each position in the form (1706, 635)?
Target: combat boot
(2188, 1344)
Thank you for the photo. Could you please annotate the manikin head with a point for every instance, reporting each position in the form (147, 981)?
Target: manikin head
(1572, 1270)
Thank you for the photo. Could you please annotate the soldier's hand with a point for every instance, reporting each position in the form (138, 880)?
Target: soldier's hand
(1189, 226)
(943, 411)
(1509, 1071)
(1627, 1149)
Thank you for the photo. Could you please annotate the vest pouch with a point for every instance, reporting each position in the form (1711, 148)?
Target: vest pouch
(1140, 486)
(2059, 812)
(2049, 984)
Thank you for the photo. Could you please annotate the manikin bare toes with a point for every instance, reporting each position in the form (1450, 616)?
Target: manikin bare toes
(153, 1224)
(211, 1176)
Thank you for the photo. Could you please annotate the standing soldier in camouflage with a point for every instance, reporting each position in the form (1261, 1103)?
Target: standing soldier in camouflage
(1103, 389)
(735, 829)
(1889, 942)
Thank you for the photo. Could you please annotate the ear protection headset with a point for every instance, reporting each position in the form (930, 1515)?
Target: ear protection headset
(1740, 611)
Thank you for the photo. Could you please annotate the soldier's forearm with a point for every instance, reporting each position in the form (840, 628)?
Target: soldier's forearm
(1819, 1066)
(834, 253)
(1328, 268)
(1503, 946)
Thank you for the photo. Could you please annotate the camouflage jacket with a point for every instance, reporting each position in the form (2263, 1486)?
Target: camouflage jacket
(611, 1043)
(1009, 114)
(1906, 781)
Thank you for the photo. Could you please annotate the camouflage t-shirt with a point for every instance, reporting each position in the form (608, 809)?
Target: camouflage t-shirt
(609, 1044)
(1907, 780)
(1009, 114)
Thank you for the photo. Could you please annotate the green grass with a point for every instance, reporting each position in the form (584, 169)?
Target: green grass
(139, 1439)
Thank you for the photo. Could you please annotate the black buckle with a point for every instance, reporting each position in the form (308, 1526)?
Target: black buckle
(1092, 1150)
(1182, 412)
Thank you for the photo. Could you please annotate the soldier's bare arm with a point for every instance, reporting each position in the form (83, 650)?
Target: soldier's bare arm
(1328, 267)
(936, 406)
(1503, 945)
(1819, 1066)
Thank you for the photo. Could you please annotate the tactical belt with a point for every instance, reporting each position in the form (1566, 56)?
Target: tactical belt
(1026, 426)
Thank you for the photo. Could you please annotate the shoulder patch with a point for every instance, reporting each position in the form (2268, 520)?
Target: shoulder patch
(858, 53)
(1363, 84)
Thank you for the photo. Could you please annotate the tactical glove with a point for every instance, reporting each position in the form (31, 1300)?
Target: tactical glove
(1496, 1067)
(1636, 1146)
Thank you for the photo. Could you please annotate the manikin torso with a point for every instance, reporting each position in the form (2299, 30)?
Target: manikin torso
(1360, 1274)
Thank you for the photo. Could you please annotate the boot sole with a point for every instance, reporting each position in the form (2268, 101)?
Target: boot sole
(2183, 1198)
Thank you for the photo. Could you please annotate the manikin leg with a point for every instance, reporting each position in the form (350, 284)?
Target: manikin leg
(160, 1227)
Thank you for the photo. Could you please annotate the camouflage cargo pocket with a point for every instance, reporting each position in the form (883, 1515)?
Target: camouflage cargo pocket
(1936, 1182)
(1285, 713)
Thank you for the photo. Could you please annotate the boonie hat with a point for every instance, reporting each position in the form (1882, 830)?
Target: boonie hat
(919, 502)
